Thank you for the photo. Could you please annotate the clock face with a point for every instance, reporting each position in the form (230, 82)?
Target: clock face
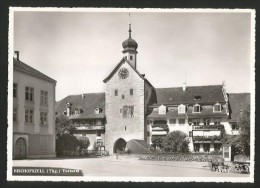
(123, 73)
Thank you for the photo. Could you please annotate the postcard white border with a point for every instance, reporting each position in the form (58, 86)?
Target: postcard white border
(10, 177)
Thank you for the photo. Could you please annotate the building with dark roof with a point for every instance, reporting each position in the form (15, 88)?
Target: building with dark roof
(33, 112)
(132, 109)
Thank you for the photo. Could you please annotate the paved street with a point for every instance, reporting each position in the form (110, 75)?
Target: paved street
(110, 166)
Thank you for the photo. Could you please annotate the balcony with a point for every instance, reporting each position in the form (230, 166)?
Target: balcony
(207, 139)
(89, 127)
(162, 126)
(208, 127)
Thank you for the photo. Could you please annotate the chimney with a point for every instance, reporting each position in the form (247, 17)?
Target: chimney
(184, 87)
(83, 96)
(16, 55)
(68, 109)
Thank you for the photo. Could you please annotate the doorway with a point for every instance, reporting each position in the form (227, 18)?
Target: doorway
(120, 145)
(20, 149)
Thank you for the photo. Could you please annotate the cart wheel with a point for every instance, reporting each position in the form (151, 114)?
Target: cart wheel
(247, 169)
(240, 170)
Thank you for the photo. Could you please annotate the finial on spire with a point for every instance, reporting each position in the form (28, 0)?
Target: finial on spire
(129, 25)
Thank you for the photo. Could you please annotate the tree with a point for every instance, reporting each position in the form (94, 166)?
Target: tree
(83, 142)
(64, 125)
(240, 144)
(65, 141)
(176, 141)
(244, 130)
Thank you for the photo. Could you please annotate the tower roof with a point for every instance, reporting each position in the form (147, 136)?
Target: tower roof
(129, 44)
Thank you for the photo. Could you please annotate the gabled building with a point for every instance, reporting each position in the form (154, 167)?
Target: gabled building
(132, 110)
(87, 112)
(33, 112)
(199, 111)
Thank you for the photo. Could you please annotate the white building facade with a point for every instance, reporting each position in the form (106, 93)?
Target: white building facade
(33, 113)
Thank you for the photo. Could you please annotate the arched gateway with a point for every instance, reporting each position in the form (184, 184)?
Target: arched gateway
(20, 149)
(119, 145)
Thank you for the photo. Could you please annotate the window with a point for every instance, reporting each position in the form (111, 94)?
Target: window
(15, 90)
(235, 127)
(217, 121)
(28, 116)
(98, 133)
(196, 108)
(116, 92)
(15, 114)
(78, 111)
(181, 121)
(196, 147)
(172, 121)
(149, 122)
(123, 96)
(128, 111)
(206, 147)
(181, 109)
(162, 110)
(43, 118)
(29, 94)
(44, 97)
(197, 97)
(131, 91)
(131, 57)
(190, 133)
(217, 107)
(206, 121)
(98, 122)
(97, 111)
(196, 121)
(217, 147)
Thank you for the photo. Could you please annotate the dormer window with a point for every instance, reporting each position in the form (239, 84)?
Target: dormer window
(68, 105)
(162, 110)
(196, 108)
(197, 97)
(181, 109)
(98, 110)
(78, 111)
(217, 107)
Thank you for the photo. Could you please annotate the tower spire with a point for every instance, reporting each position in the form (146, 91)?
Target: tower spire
(130, 30)
(130, 46)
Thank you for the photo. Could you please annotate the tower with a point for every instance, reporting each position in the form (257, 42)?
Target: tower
(130, 46)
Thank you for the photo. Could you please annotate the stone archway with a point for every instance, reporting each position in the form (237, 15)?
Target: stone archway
(20, 149)
(120, 145)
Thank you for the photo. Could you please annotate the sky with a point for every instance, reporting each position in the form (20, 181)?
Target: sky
(80, 49)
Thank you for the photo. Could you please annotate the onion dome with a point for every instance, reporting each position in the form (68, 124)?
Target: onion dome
(129, 43)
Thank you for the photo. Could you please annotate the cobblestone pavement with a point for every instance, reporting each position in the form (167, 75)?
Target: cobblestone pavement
(113, 166)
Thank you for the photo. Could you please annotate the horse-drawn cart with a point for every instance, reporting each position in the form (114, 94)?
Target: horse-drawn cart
(217, 164)
(241, 164)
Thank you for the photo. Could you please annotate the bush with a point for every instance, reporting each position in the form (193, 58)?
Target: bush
(83, 142)
(176, 141)
(66, 143)
(196, 157)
